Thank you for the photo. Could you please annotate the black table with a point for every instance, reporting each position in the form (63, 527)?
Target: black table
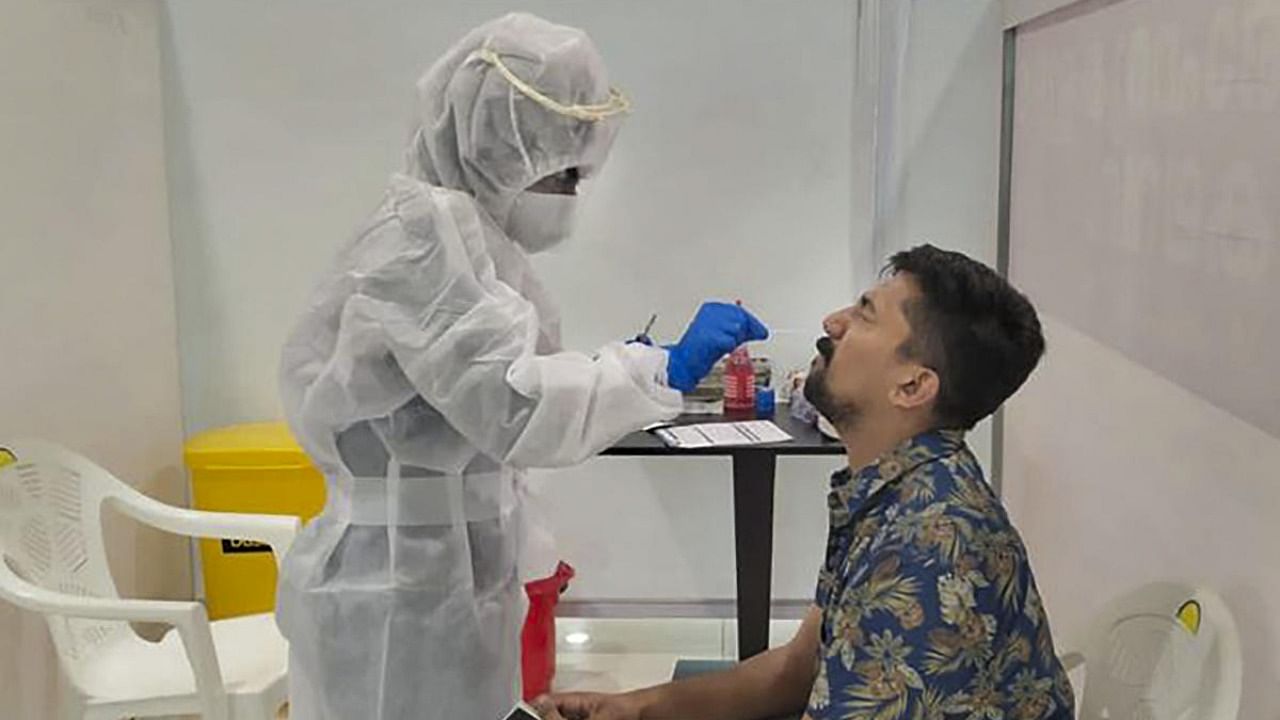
(754, 471)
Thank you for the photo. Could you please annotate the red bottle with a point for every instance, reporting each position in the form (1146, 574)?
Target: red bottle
(538, 638)
(739, 383)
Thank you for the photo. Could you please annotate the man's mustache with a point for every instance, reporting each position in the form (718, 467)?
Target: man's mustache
(826, 348)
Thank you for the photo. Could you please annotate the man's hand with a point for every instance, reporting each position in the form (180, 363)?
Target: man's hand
(587, 706)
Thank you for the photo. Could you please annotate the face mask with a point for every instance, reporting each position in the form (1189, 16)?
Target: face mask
(540, 221)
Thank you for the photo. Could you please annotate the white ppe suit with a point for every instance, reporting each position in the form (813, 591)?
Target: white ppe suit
(426, 373)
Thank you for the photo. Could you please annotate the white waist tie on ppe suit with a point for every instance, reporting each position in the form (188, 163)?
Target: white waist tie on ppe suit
(426, 373)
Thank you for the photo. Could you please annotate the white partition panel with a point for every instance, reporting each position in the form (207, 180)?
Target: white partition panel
(1145, 224)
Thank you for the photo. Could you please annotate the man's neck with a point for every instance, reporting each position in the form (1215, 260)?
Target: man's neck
(867, 440)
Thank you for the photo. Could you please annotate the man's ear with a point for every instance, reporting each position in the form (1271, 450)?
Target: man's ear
(917, 388)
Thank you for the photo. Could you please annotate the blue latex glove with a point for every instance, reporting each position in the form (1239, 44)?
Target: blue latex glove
(716, 331)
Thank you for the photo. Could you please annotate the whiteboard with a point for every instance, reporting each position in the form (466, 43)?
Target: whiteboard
(1146, 188)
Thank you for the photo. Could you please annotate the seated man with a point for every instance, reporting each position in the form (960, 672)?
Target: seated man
(926, 606)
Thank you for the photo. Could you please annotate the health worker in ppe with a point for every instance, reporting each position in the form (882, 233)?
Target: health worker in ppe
(427, 373)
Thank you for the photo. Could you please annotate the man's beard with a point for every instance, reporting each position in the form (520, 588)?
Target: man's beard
(818, 391)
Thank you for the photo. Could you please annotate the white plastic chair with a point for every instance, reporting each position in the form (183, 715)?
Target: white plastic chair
(1143, 662)
(53, 561)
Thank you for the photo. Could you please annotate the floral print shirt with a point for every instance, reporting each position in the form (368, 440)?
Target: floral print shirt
(929, 608)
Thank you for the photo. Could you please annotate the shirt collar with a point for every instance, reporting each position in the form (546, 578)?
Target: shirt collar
(849, 489)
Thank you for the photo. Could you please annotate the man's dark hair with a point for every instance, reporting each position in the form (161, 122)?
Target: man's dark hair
(979, 334)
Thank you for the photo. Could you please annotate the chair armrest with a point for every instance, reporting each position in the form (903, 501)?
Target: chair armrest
(277, 531)
(189, 618)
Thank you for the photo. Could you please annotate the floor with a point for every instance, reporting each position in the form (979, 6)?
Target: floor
(611, 655)
(618, 655)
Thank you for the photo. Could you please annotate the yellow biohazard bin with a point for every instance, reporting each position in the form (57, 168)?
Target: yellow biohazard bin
(254, 468)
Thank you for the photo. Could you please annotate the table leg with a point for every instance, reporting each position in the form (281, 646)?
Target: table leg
(753, 481)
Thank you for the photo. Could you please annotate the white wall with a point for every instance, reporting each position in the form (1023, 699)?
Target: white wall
(745, 142)
(284, 121)
(1118, 477)
(86, 287)
(949, 129)
(941, 179)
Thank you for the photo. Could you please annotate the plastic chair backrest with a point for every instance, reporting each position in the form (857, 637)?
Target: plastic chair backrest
(1167, 651)
(51, 536)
